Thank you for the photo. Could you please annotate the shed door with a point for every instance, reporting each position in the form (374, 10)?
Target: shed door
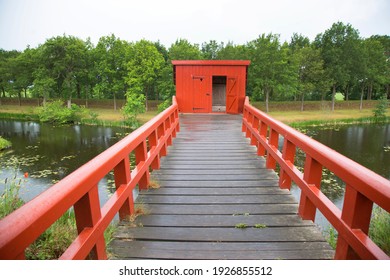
(201, 96)
(231, 95)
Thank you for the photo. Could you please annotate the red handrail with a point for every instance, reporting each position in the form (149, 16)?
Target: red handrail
(363, 186)
(80, 191)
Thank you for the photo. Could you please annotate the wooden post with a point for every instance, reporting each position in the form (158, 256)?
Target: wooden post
(356, 214)
(263, 134)
(87, 212)
(273, 143)
(312, 176)
(153, 141)
(122, 176)
(141, 154)
(288, 154)
(255, 126)
(160, 135)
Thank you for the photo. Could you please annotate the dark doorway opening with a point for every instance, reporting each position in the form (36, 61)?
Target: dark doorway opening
(219, 94)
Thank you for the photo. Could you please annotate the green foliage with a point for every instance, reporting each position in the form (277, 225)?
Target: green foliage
(55, 112)
(380, 229)
(331, 236)
(134, 106)
(4, 143)
(55, 240)
(9, 199)
(164, 105)
(379, 111)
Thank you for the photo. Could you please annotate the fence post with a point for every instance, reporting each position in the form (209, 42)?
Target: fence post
(312, 176)
(153, 141)
(356, 214)
(273, 143)
(87, 212)
(122, 176)
(288, 154)
(141, 154)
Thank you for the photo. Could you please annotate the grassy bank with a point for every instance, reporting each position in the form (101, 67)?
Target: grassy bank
(316, 112)
(105, 116)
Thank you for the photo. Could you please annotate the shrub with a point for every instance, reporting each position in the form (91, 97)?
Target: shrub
(55, 112)
(4, 143)
(134, 106)
(379, 111)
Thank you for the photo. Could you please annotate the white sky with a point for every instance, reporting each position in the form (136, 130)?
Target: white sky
(28, 22)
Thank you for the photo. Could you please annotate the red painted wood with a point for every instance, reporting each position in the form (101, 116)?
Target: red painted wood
(193, 80)
(288, 152)
(363, 187)
(79, 189)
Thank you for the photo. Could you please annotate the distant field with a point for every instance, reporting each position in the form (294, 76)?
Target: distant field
(287, 112)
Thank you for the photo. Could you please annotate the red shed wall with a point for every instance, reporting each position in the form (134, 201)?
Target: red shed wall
(194, 87)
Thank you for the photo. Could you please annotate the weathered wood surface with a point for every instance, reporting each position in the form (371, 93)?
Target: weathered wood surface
(210, 182)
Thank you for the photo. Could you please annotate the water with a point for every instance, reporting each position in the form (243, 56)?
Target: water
(43, 154)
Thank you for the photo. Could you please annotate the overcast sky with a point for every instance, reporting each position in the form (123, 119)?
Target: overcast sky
(31, 22)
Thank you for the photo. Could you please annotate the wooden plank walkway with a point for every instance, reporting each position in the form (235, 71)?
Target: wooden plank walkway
(211, 182)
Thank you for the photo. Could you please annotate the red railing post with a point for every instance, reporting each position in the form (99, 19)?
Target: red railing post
(160, 136)
(255, 126)
(153, 141)
(312, 175)
(263, 134)
(273, 142)
(122, 176)
(87, 212)
(288, 154)
(141, 154)
(357, 215)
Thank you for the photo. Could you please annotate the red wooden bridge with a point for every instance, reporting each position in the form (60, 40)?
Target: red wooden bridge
(219, 196)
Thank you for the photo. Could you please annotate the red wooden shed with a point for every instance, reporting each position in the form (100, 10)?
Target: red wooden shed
(207, 86)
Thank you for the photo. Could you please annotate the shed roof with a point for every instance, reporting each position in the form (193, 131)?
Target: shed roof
(212, 62)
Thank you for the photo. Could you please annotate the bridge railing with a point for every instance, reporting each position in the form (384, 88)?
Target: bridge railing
(363, 187)
(80, 191)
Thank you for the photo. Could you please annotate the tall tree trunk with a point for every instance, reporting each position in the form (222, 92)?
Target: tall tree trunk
(70, 102)
(347, 93)
(86, 96)
(25, 93)
(20, 98)
(361, 98)
(333, 96)
(78, 90)
(369, 93)
(146, 99)
(114, 101)
(302, 100)
(266, 100)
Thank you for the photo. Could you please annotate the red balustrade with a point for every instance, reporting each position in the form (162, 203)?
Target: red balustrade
(363, 187)
(80, 191)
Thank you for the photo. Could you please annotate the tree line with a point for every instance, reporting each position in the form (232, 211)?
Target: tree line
(66, 67)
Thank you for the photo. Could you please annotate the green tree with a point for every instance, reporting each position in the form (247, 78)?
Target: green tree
(184, 50)
(270, 71)
(211, 49)
(310, 67)
(112, 55)
(339, 48)
(144, 67)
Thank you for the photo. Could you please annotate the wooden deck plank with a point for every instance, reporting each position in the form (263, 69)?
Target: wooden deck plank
(214, 191)
(222, 221)
(217, 199)
(211, 181)
(221, 251)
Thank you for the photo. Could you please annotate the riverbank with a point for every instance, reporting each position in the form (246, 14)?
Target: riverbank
(316, 113)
